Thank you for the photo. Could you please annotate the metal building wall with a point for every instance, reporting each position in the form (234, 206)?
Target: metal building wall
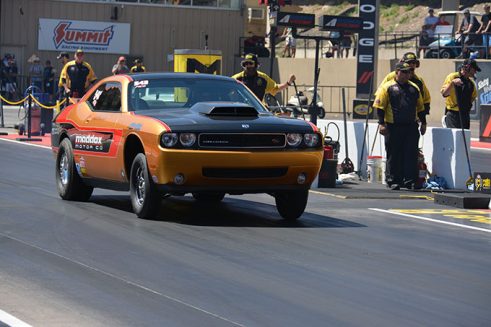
(155, 31)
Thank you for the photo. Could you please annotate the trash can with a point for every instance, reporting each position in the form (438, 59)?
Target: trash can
(328, 173)
(41, 119)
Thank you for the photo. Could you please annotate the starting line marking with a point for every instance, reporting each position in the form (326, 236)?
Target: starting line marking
(25, 143)
(431, 220)
(11, 321)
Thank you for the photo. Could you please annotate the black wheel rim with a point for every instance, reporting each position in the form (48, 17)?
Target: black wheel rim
(139, 183)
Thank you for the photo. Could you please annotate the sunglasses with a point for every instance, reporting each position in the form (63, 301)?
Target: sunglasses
(405, 71)
(249, 63)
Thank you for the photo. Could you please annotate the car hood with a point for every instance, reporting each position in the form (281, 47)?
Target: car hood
(228, 117)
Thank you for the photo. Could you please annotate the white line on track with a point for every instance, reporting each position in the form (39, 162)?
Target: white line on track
(121, 279)
(432, 220)
(11, 321)
(26, 143)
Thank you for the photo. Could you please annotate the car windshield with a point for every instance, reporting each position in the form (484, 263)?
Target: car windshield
(183, 93)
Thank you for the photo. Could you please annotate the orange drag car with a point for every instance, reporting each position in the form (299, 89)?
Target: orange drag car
(171, 134)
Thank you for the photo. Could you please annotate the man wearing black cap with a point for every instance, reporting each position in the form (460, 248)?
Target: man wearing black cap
(138, 67)
(399, 108)
(411, 59)
(460, 92)
(63, 59)
(77, 75)
(258, 82)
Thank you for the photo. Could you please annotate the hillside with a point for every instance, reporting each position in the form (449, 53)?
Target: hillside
(395, 16)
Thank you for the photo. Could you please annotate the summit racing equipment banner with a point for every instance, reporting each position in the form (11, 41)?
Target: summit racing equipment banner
(70, 35)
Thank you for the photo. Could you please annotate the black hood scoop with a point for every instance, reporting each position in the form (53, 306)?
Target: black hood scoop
(229, 109)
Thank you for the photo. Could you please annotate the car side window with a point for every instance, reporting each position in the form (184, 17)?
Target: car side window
(106, 98)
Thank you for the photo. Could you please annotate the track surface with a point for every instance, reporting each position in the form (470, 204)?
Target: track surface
(95, 264)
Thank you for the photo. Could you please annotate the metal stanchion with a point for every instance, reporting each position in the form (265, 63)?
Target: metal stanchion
(29, 138)
(2, 122)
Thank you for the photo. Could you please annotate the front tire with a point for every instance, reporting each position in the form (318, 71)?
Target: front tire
(145, 198)
(69, 184)
(291, 204)
(322, 113)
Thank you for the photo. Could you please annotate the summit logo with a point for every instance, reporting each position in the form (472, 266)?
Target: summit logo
(64, 34)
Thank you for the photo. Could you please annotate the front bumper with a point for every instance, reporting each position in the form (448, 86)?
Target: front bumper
(167, 163)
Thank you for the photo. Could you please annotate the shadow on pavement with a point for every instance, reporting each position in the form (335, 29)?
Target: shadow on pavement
(231, 212)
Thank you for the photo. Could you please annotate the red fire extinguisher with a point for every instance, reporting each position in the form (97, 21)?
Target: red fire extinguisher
(422, 170)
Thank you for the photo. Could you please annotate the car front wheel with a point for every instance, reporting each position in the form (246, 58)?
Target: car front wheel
(69, 184)
(145, 198)
(291, 204)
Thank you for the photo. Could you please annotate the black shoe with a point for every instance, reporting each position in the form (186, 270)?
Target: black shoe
(409, 186)
(395, 187)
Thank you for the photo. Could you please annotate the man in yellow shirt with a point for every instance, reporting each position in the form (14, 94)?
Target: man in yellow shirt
(258, 82)
(460, 92)
(77, 75)
(399, 107)
(138, 67)
(411, 59)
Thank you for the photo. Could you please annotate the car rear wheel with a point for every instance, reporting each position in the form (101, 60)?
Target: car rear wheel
(291, 204)
(70, 185)
(446, 54)
(145, 198)
(209, 196)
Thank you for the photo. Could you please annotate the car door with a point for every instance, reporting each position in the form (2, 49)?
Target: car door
(98, 139)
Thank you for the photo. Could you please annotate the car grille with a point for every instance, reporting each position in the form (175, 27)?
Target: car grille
(244, 172)
(222, 140)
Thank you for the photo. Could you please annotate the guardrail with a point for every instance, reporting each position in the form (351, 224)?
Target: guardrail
(398, 41)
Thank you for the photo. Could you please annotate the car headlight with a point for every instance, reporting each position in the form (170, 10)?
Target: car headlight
(293, 139)
(311, 140)
(168, 140)
(187, 139)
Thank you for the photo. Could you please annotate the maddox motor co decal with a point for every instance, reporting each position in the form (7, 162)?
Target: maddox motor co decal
(91, 141)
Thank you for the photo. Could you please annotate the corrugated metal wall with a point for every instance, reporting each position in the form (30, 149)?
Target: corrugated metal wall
(155, 31)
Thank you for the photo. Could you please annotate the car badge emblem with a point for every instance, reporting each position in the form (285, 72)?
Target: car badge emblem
(245, 125)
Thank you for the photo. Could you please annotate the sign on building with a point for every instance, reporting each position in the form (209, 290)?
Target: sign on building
(70, 35)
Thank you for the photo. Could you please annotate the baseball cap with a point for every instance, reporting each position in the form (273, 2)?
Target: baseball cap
(79, 51)
(122, 58)
(467, 11)
(472, 63)
(409, 57)
(138, 61)
(250, 57)
(430, 10)
(63, 54)
(402, 66)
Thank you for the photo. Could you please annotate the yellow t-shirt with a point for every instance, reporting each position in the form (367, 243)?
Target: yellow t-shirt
(451, 100)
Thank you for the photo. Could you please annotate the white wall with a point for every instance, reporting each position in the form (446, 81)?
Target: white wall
(443, 148)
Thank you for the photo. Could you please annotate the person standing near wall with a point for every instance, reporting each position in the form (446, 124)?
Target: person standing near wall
(36, 73)
(49, 80)
(77, 75)
(411, 59)
(258, 82)
(138, 67)
(120, 67)
(460, 92)
(399, 106)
